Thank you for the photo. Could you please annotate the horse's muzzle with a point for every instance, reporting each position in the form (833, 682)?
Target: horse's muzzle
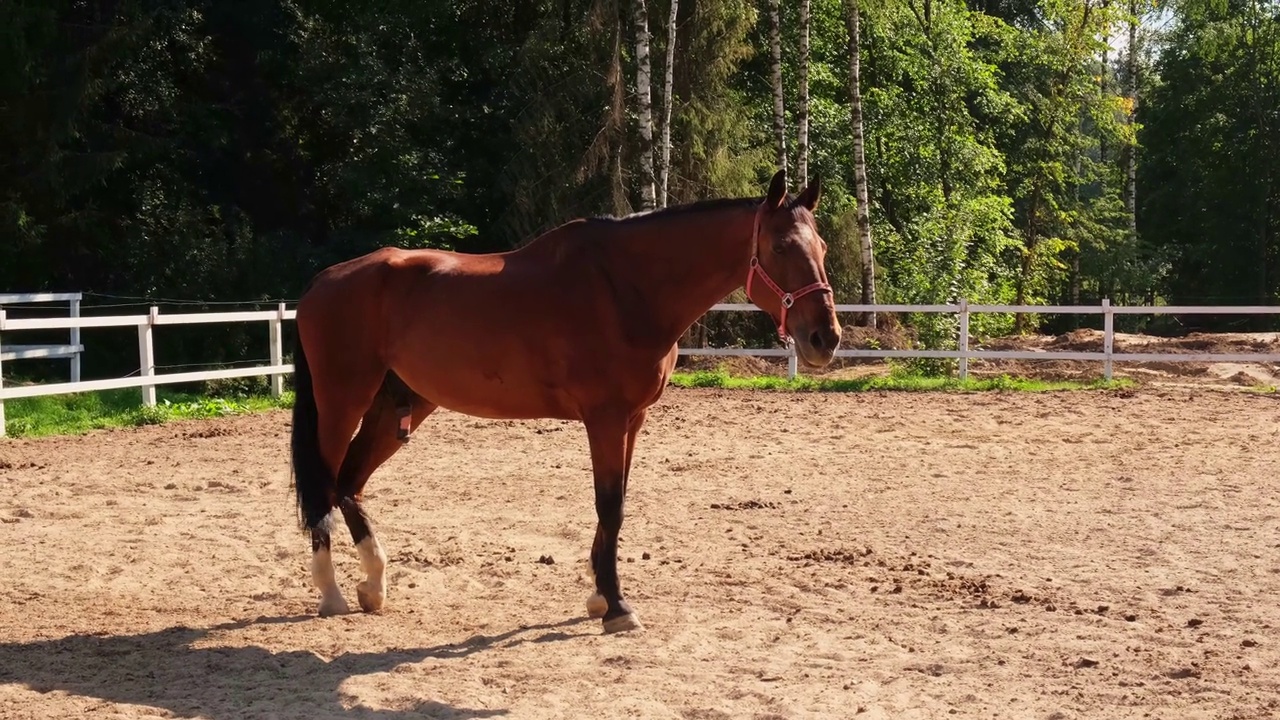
(816, 347)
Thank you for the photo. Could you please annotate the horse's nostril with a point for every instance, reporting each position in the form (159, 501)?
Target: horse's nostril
(815, 339)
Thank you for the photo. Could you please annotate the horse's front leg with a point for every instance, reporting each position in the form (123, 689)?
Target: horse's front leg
(612, 439)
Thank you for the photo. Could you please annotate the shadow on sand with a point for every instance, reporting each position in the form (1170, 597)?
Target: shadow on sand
(163, 670)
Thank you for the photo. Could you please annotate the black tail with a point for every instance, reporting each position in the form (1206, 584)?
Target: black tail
(312, 481)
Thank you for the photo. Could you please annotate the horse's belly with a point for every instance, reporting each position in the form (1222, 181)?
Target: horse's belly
(492, 392)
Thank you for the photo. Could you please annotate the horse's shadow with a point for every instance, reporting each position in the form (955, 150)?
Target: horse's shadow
(164, 670)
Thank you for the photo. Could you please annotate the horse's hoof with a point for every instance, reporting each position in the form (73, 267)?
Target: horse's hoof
(597, 606)
(370, 601)
(622, 623)
(331, 607)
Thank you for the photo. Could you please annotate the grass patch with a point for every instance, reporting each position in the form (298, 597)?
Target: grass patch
(81, 412)
(903, 382)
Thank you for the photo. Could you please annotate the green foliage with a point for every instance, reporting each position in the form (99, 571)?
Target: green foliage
(227, 151)
(84, 412)
(1211, 145)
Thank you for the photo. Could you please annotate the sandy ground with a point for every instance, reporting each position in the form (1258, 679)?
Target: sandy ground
(1086, 555)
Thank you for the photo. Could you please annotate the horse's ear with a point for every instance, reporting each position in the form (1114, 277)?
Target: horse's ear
(809, 198)
(777, 190)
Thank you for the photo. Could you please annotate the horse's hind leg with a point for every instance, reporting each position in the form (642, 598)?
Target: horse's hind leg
(379, 438)
(335, 430)
(330, 399)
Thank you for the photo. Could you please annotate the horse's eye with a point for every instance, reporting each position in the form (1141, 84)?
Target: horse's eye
(779, 248)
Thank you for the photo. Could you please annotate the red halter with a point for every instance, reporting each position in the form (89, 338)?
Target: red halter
(788, 298)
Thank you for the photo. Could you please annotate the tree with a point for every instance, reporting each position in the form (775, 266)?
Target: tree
(667, 101)
(802, 144)
(852, 12)
(645, 105)
(775, 74)
(1211, 158)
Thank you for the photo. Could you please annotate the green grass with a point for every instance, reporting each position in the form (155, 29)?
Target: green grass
(82, 412)
(904, 382)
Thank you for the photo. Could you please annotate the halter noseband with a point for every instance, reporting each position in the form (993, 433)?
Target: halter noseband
(788, 298)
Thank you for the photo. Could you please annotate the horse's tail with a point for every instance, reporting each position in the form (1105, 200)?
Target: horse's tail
(312, 481)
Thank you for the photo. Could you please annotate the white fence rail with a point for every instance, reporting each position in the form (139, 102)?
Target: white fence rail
(148, 379)
(964, 354)
(71, 351)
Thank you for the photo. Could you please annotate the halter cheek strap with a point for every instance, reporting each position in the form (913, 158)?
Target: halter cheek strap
(787, 298)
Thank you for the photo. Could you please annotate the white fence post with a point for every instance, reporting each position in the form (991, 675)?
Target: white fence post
(1, 373)
(75, 341)
(147, 357)
(277, 350)
(964, 339)
(792, 369)
(1108, 333)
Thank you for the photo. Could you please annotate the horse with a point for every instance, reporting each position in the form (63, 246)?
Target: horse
(580, 324)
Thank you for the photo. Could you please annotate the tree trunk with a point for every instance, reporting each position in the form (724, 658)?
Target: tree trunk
(802, 144)
(779, 117)
(615, 124)
(641, 16)
(666, 104)
(852, 12)
(1102, 81)
(1075, 254)
(1131, 151)
(1028, 254)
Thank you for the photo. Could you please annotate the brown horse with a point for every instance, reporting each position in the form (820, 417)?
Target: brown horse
(579, 324)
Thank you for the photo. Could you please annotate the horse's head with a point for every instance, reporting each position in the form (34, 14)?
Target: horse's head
(787, 276)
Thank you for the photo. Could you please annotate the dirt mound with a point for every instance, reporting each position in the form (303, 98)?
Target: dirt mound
(893, 337)
(736, 365)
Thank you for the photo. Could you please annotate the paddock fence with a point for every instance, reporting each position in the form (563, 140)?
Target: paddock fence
(70, 351)
(148, 379)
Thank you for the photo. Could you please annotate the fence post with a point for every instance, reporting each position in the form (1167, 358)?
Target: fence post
(147, 357)
(791, 359)
(1108, 332)
(1, 374)
(75, 340)
(964, 339)
(277, 350)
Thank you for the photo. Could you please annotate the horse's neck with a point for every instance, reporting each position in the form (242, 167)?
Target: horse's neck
(683, 264)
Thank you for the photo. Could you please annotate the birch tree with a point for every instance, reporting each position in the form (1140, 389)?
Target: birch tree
(666, 103)
(859, 161)
(641, 21)
(1131, 95)
(802, 144)
(775, 71)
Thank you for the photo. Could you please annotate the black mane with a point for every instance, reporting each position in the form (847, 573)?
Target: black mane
(696, 206)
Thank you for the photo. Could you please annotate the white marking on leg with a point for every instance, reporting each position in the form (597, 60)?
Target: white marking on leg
(331, 600)
(597, 606)
(372, 591)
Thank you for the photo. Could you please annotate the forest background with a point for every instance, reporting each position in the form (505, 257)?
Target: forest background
(191, 153)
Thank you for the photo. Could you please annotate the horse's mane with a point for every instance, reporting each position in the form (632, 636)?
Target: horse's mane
(670, 210)
(568, 231)
(691, 207)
